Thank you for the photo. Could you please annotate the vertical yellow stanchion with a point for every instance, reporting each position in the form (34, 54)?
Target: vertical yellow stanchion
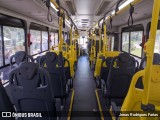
(95, 55)
(71, 59)
(71, 35)
(100, 42)
(105, 40)
(149, 50)
(60, 30)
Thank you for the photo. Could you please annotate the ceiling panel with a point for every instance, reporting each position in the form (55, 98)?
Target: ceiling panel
(35, 9)
(139, 14)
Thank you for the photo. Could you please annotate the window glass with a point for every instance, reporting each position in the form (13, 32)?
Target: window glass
(157, 43)
(125, 41)
(136, 40)
(1, 55)
(44, 41)
(66, 36)
(83, 41)
(14, 39)
(112, 43)
(52, 39)
(56, 39)
(36, 42)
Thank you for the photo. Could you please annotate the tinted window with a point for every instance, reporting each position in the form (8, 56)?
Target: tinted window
(112, 43)
(157, 42)
(52, 39)
(56, 39)
(14, 39)
(125, 41)
(1, 55)
(36, 42)
(136, 40)
(44, 41)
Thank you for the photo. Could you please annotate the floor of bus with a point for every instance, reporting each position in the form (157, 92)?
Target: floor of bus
(84, 86)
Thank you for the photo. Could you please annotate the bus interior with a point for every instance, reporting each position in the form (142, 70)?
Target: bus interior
(79, 59)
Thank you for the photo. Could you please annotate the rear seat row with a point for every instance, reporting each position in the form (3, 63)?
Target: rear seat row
(36, 85)
(116, 76)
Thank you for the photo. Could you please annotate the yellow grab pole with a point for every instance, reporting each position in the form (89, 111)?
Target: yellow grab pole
(71, 35)
(54, 3)
(60, 31)
(100, 44)
(94, 35)
(149, 50)
(105, 38)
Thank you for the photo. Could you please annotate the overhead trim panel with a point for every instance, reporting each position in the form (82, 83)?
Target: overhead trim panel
(102, 7)
(71, 7)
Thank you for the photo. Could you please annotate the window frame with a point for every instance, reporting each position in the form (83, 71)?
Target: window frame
(52, 33)
(41, 28)
(9, 21)
(134, 28)
(148, 29)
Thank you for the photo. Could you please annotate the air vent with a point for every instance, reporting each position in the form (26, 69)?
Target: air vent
(85, 20)
(71, 7)
(102, 7)
(83, 30)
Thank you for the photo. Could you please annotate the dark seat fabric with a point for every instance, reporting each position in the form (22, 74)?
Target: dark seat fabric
(105, 69)
(37, 59)
(54, 64)
(156, 61)
(67, 69)
(68, 76)
(104, 72)
(119, 78)
(19, 57)
(6, 105)
(33, 93)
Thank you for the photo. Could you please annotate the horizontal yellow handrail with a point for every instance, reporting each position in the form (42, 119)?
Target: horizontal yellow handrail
(122, 10)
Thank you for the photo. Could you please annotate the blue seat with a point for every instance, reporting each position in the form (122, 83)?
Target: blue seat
(156, 61)
(54, 64)
(31, 90)
(19, 57)
(119, 78)
(69, 78)
(104, 72)
(6, 105)
(37, 60)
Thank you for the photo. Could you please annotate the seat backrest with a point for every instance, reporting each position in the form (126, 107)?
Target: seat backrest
(37, 59)
(19, 57)
(67, 68)
(31, 90)
(119, 77)
(156, 61)
(6, 105)
(134, 96)
(105, 69)
(54, 64)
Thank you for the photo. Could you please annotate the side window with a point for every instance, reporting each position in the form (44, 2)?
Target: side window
(1, 55)
(36, 42)
(56, 39)
(52, 39)
(14, 39)
(125, 41)
(157, 43)
(112, 43)
(135, 41)
(44, 41)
